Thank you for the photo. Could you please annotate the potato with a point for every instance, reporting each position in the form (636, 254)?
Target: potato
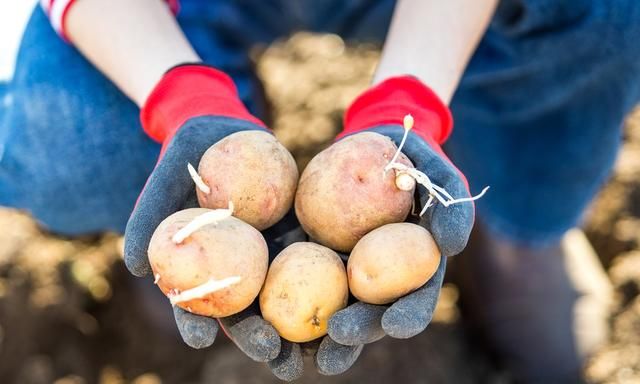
(344, 192)
(216, 251)
(391, 261)
(306, 284)
(254, 171)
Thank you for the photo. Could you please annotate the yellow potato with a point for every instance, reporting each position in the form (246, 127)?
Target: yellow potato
(391, 261)
(306, 284)
(344, 192)
(254, 171)
(226, 249)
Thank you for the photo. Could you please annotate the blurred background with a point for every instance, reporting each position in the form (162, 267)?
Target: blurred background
(70, 313)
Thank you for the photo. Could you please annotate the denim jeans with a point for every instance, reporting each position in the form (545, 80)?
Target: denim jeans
(538, 113)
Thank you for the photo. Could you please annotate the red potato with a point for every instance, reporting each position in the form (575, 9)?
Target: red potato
(392, 261)
(227, 251)
(254, 171)
(344, 192)
(306, 284)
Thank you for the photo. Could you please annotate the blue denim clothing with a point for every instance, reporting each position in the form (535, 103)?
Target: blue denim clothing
(539, 111)
(537, 115)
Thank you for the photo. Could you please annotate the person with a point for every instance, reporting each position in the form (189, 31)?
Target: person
(538, 89)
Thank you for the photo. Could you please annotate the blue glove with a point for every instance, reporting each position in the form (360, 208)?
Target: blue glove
(192, 108)
(377, 110)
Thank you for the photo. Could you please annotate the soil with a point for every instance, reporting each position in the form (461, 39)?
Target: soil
(70, 312)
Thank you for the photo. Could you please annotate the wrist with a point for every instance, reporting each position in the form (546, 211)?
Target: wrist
(388, 102)
(189, 91)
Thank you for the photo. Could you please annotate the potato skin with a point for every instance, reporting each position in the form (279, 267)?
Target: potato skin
(344, 192)
(391, 261)
(216, 251)
(252, 169)
(306, 284)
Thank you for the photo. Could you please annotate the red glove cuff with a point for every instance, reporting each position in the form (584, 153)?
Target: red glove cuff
(391, 100)
(190, 91)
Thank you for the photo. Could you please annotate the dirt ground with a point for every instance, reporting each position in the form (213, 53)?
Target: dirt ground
(70, 313)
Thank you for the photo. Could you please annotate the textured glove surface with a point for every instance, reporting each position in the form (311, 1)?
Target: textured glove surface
(362, 323)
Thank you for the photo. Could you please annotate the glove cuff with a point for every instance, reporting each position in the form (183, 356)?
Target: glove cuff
(188, 91)
(388, 103)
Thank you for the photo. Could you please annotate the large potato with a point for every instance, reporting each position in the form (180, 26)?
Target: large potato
(216, 251)
(344, 192)
(391, 261)
(306, 284)
(254, 171)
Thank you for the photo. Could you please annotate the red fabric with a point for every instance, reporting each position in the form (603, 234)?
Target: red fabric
(390, 101)
(190, 91)
(174, 5)
(63, 21)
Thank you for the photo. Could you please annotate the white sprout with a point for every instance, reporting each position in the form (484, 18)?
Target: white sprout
(156, 278)
(407, 123)
(211, 217)
(435, 192)
(405, 182)
(198, 180)
(202, 290)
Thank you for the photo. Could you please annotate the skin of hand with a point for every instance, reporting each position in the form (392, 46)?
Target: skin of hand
(132, 42)
(433, 41)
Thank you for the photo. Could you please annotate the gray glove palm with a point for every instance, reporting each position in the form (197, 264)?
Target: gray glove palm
(170, 189)
(362, 323)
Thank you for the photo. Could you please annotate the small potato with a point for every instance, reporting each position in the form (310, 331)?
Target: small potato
(254, 171)
(306, 284)
(391, 261)
(344, 192)
(217, 251)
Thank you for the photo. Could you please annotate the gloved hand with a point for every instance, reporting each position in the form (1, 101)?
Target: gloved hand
(381, 109)
(191, 108)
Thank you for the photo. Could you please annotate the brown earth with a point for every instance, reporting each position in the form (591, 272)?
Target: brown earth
(70, 313)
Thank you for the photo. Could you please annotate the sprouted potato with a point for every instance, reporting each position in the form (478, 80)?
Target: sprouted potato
(208, 262)
(251, 169)
(344, 192)
(392, 261)
(306, 284)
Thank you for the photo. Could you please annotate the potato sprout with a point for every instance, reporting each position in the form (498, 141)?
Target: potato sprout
(202, 186)
(202, 290)
(210, 217)
(435, 191)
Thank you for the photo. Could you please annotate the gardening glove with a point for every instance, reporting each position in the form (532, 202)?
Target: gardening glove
(255, 337)
(191, 108)
(330, 358)
(382, 109)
